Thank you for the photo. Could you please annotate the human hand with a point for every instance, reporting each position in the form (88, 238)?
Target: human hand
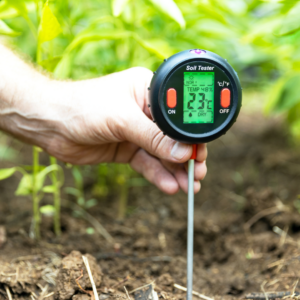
(110, 122)
(107, 120)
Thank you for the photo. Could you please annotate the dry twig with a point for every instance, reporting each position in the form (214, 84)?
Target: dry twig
(87, 292)
(141, 287)
(294, 288)
(263, 213)
(193, 292)
(277, 295)
(8, 293)
(120, 282)
(86, 262)
(127, 293)
(263, 289)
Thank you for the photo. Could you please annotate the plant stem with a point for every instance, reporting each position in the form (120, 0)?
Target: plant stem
(123, 201)
(56, 195)
(35, 200)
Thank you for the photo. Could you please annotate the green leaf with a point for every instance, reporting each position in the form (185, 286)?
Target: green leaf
(49, 189)
(77, 177)
(90, 230)
(30, 167)
(20, 6)
(7, 11)
(48, 210)
(63, 69)
(49, 26)
(50, 64)
(290, 22)
(262, 29)
(5, 173)
(25, 186)
(285, 94)
(7, 153)
(118, 6)
(97, 35)
(80, 201)
(157, 47)
(6, 30)
(72, 191)
(170, 8)
(90, 203)
(41, 176)
(295, 129)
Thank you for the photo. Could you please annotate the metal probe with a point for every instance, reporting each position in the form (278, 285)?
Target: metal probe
(190, 225)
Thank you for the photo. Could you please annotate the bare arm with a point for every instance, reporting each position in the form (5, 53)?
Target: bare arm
(93, 121)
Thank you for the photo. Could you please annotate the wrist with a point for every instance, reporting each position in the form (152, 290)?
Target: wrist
(23, 100)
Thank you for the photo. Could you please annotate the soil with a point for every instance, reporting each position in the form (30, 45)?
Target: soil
(246, 229)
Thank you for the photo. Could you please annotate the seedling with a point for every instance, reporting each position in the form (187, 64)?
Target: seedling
(78, 190)
(32, 184)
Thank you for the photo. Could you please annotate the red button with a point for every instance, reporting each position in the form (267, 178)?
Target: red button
(225, 98)
(171, 98)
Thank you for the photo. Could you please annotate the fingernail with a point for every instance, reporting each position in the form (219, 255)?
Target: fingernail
(179, 150)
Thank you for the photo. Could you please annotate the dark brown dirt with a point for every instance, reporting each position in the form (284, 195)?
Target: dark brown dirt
(246, 228)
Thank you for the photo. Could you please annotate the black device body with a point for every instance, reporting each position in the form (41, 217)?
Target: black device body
(195, 96)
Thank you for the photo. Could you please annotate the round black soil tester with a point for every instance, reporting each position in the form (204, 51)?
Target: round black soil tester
(195, 96)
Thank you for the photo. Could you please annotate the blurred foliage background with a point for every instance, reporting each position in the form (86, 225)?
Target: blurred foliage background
(83, 39)
(97, 37)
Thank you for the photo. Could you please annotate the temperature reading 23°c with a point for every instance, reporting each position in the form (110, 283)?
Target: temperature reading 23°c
(198, 97)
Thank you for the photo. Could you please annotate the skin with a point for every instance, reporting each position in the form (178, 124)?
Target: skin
(91, 121)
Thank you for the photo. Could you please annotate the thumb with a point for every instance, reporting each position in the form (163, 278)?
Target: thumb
(144, 133)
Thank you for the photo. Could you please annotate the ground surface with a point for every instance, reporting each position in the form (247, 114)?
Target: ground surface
(242, 214)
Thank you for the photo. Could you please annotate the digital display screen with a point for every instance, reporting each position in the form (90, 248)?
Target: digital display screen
(198, 97)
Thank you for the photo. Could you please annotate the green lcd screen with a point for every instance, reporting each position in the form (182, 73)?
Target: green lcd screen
(198, 97)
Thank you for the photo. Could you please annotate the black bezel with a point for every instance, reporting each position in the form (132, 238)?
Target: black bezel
(157, 91)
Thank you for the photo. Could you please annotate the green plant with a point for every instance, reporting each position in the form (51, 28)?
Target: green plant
(119, 178)
(124, 179)
(56, 185)
(33, 184)
(78, 190)
(276, 36)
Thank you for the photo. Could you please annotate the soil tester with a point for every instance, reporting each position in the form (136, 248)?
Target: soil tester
(194, 97)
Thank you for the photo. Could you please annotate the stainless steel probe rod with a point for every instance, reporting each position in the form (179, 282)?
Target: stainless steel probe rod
(190, 229)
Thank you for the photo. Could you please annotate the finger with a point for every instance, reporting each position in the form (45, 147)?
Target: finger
(182, 179)
(143, 132)
(152, 169)
(201, 152)
(181, 176)
(200, 169)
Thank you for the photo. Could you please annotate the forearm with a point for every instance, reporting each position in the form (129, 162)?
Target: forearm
(20, 86)
(28, 101)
